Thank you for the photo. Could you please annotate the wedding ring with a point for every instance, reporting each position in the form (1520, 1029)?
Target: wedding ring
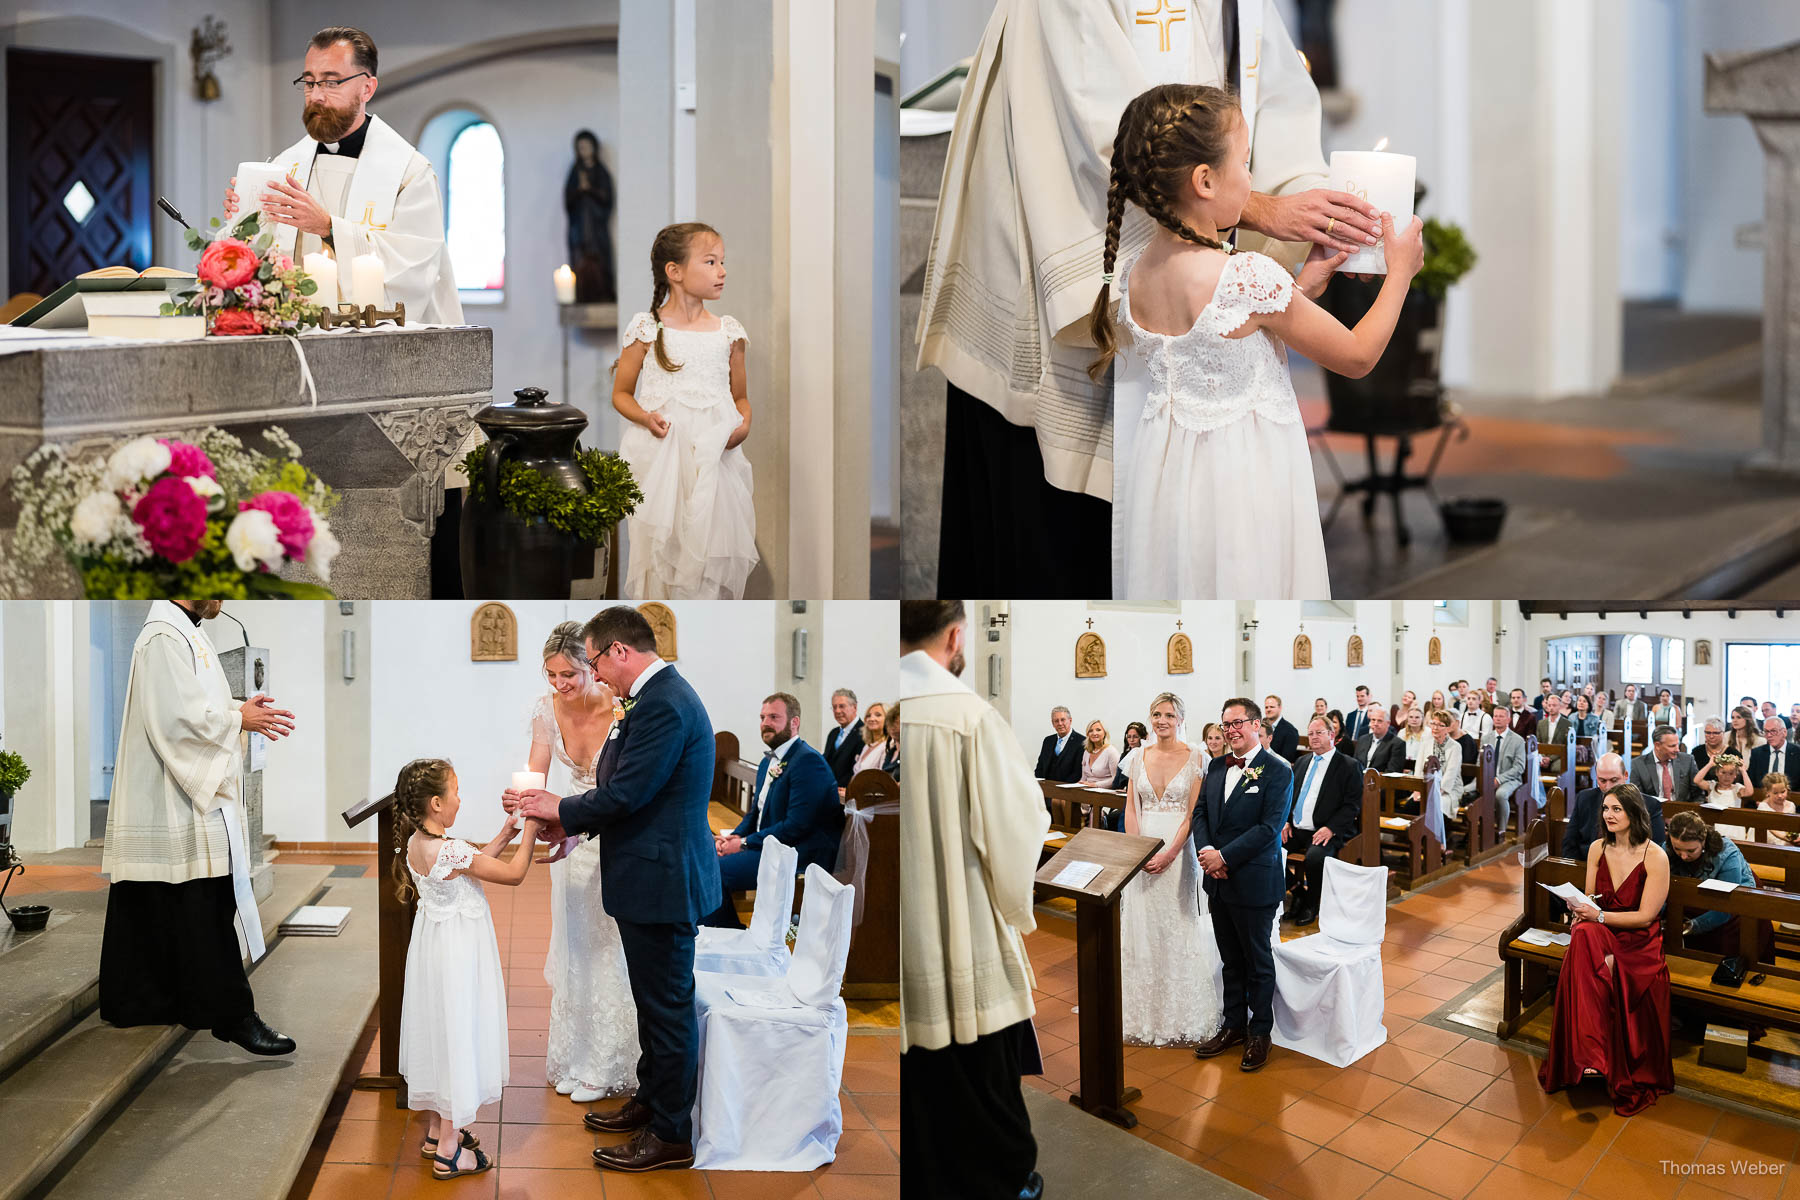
(1328, 226)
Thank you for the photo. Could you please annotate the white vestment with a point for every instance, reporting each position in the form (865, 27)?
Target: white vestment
(1015, 258)
(383, 202)
(175, 813)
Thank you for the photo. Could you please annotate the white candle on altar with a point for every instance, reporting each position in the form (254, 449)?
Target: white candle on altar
(367, 281)
(565, 285)
(527, 781)
(1385, 181)
(322, 269)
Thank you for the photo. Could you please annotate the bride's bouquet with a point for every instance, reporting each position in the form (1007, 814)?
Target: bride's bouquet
(164, 517)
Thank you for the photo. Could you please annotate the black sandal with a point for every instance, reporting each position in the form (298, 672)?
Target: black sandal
(469, 1142)
(481, 1164)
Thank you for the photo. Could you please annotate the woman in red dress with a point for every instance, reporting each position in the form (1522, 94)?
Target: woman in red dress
(1612, 994)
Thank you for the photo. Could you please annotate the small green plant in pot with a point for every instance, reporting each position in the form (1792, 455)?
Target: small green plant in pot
(13, 773)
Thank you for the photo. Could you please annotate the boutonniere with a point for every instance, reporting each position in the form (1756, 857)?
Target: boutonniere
(775, 769)
(1252, 774)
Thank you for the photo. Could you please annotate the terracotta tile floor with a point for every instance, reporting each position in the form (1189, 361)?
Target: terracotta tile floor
(366, 1149)
(1432, 1115)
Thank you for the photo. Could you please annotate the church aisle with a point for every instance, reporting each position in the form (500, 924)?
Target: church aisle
(1436, 1112)
(365, 1149)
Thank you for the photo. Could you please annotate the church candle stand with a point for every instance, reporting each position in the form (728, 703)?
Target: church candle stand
(1102, 1028)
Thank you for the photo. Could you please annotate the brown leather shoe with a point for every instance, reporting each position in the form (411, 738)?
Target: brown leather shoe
(1256, 1052)
(1219, 1042)
(633, 1115)
(646, 1152)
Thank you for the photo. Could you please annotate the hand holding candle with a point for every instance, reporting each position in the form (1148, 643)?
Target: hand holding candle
(1385, 181)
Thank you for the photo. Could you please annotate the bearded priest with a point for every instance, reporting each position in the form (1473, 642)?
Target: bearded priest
(361, 188)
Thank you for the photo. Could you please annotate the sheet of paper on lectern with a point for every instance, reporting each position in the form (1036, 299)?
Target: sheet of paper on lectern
(1077, 874)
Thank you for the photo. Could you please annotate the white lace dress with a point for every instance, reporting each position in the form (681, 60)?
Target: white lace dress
(1169, 960)
(1220, 438)
(593, 1022)
(453, 1043)
(693, 536)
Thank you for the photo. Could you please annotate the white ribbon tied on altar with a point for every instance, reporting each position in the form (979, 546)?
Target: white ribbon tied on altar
(1534, 771)
(1434, 808)
(853, 850)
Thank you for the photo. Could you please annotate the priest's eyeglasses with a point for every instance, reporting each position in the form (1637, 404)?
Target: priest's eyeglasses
(303, 85)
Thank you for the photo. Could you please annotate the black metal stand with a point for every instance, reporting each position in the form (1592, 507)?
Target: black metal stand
(1392, 483)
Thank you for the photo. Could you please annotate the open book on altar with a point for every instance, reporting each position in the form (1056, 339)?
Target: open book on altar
(62, 309)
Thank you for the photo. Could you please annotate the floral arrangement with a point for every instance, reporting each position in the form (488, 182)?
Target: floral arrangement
(165, 517)
(13, 772)
(243, 286)
(589, 516)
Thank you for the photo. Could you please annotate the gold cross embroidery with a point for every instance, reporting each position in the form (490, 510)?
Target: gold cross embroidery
(1250, 71)
(200, 653)
(368, 217)
(1162, 16)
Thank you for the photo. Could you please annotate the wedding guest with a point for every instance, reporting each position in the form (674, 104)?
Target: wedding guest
(1712, 741)
(1326, 813)
(1742, 738)
(845, 741)
(1665, 712)
(1555, 727)
(1356, 722)
(1449, 753)
(1509, 766)
(1701, 852)
(1380, 749)
(1722, 782)
(1771, 711)
(1545, 691)
(453, 1040)
(1265, 733)
(1778, 798)
(1474, 719)
(1587, 722)
(1612, 993)
(1284, 739)
(1524, 717)
(1213, 735)
(1568, 701)
(1583, 825)
(874, 734)
(1136, 734)
(1493, 693)
(1099, 757)
(891, 764)
(1667, 771)
(1775, 756)
(1437, 705)
(1338, 737)
(965, 991)
(795, 801)
(1397, 713)
(1630, 708)
(1417, 740)
(1059, 760)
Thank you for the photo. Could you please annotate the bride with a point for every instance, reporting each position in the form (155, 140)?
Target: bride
(592, 1051)
(1172, 984)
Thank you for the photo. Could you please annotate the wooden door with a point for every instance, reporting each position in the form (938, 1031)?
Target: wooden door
(80, 165)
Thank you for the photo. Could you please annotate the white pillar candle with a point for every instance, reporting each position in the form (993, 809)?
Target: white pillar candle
(321, 268)
(565, 285)
(1385, 181)
(527, 781)
(367, 281)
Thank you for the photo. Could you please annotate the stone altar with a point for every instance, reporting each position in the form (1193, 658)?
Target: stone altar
(1764, 85)
(394, 408)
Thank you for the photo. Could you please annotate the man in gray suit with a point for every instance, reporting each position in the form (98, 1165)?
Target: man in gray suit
(1554, 728)
(1667, 771)
(1630, 708)
(1380, 749)
(1509, 765)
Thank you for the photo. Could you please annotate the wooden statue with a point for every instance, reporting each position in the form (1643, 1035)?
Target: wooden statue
(1434, 653)
(1181, 655)
(1090, 657)
(1302, 653)
(493, 634)
(1353, 652)
(1703, 653)
(662, 624)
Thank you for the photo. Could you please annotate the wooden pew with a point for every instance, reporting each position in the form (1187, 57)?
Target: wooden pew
(1073, 806)
(1529, 969)
(1363, 849)
(1410, 849)
(873, 968)
(734, 781)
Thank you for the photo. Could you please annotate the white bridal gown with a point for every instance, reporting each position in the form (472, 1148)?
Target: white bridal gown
(1219, 440)
(593, 1022)
(1169, 960)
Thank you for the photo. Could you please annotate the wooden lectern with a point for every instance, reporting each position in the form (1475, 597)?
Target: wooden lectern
(394, 920)
(1102, 1030)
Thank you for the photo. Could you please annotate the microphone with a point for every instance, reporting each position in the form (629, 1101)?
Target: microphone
(173, 212)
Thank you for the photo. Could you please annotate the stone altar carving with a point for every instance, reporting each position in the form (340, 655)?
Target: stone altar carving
(1181, 655)
(493, 634)
(1090, 656)
(662, 624)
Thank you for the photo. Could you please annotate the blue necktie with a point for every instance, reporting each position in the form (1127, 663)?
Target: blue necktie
(1304, 785)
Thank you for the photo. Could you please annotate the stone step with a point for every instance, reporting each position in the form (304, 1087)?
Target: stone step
(62, 1069)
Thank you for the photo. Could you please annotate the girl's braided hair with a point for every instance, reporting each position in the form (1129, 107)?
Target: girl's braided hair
(419, 781)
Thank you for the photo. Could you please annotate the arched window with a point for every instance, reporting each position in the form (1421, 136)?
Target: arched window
(1674, 659)
(1635, 659)
(465, 148)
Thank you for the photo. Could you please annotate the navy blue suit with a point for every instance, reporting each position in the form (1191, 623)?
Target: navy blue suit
(1245, 828)
(802, 811)
(657, 878)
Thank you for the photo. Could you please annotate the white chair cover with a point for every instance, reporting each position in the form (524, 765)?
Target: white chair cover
(1329, 997)
(762, 948)
(772, 1049)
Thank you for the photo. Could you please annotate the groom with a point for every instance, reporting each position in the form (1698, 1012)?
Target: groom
(1237, 833)
(658, 875)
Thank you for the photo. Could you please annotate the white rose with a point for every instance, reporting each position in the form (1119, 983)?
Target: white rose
(252, 539)
(92, 520)
(208, 489)
(322, 549)
(134, 462)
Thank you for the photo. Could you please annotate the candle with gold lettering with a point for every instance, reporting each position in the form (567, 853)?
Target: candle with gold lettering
(565, 285)
(1385, 181)
(322, 269)
(367, 281)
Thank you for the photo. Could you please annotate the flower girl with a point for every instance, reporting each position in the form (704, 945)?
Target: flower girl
(1216, 496)
(680, 382)
(453, 1044)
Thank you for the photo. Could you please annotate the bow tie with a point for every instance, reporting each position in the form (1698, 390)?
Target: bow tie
(1232, 760)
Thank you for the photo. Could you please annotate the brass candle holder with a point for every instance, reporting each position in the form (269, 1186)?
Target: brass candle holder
(365, 317)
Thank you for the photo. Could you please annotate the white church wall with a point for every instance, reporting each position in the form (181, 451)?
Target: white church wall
(1330, 675)
(862, 640)
(1655, 104)
(295, 797)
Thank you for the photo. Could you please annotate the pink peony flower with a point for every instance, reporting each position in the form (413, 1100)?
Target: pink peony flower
(186, 460)
(252, 293)
(227, 263)
(283, 262)
(173, 518)
(293, 520)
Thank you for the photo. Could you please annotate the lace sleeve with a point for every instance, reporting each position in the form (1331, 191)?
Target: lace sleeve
(543, 723)
(454, 855)
(641, 329)
(733, 331)
(1251, 284)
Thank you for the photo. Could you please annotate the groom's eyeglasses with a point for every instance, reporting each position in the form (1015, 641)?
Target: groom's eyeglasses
(594, 662)
(1238, 724)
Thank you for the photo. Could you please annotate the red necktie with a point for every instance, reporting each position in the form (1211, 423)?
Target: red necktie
(1668, 784)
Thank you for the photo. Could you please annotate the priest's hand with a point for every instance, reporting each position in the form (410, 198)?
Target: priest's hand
(296, 206)
(261, 716)
(1317, 271)
(1335, 220)
(231, 199)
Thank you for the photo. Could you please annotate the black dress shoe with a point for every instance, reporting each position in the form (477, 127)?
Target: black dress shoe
(1034, 1187)
(634, 1115)
(645, 1152)
(256, 1037)
(1306, 916)
(1256, 1052)
(1219, 1042)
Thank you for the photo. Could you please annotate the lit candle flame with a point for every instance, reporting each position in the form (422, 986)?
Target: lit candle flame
(1381, 145)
